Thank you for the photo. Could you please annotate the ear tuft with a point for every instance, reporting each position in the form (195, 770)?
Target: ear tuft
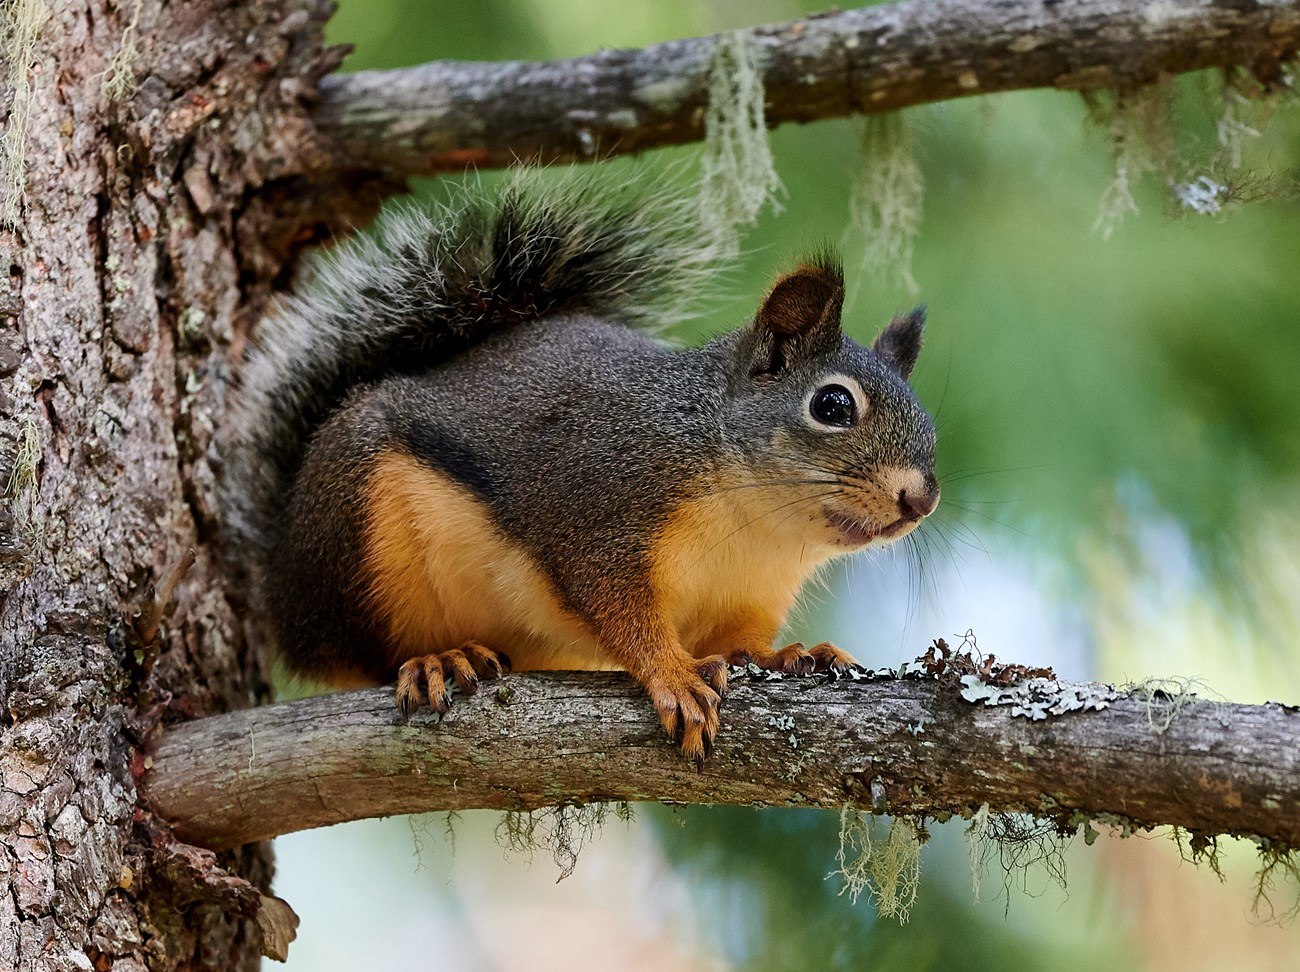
(900, 343)
(804, 298)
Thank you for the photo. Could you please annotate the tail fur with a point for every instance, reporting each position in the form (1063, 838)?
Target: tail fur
(430, 282)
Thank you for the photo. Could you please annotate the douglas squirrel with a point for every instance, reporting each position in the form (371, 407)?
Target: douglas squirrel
(455, 444)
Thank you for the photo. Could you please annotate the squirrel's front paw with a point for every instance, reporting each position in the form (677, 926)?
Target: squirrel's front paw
(425, 678)
(687, 700)
(798, 660)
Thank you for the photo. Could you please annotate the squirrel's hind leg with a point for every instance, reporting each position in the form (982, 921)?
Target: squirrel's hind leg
(425, 678)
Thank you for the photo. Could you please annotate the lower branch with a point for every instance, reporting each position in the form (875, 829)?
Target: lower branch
(901, 745)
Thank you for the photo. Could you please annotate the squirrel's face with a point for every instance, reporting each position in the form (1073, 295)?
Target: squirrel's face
(833, 445)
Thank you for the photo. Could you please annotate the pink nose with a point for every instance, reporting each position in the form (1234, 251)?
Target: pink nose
(916, 505)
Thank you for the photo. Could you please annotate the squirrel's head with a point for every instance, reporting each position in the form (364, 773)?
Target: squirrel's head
(829, 423)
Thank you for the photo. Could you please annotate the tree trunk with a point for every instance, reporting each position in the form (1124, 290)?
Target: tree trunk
(148, 234)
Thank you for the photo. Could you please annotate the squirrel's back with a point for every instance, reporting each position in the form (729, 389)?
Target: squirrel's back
(432, 282)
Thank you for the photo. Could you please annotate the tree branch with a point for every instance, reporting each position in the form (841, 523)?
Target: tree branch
(451, 115)
(908, 746)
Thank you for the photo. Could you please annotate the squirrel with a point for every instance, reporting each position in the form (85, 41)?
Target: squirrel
(462, 450)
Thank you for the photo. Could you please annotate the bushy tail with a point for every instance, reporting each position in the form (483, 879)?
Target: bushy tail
(429, 283)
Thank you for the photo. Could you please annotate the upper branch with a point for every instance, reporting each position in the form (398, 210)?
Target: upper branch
(904, 746)
(451, 115)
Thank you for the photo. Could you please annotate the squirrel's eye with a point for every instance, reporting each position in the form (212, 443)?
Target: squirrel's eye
(833, 405)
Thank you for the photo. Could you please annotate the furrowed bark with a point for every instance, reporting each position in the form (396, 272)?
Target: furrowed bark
(904, 746)
(450, 115)
(154, 144)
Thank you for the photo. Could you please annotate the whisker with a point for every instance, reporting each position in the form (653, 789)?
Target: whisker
(784, 482)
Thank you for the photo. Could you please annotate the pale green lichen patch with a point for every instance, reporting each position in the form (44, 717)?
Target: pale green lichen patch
(1137, 123)
(1199, 180)
(738, 177)
(1038, 698)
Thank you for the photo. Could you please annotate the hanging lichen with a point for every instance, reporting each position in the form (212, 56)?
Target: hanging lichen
(22, 20)
(119, 80)
(22, 488)
(976, 836)
(888, 867)
(737, 175)
(1137, 123)
(885, 203)
(560, 831)
(1200, 179)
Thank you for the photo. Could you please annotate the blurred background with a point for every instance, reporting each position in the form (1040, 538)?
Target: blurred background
(1120, 453)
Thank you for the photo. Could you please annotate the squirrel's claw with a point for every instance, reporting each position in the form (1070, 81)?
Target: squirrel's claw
(688, 703)
(425, 678)
(795, 659)
(827, 657)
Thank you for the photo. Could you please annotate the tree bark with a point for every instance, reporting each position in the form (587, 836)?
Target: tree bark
(149, 232)
(450, 115)
(897, 745)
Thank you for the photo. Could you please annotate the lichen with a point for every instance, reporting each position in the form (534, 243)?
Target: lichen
(1200, 179)
(738, 177)
(1038, 698)
(1198, 849)
(119, 79)
(560, 831)
(1278, 863)
(1020, 843)
(1166, 698)
(886, 201)
(22, 490)
(21, 25)
(976, 837)
(888, 867)
(422, 826)
(1136, 121)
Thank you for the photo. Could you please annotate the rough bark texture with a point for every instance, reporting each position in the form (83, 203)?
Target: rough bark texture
(907, 746)
(452, 115)
(152, 227)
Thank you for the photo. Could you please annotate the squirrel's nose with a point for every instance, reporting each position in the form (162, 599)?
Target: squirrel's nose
(917, 504)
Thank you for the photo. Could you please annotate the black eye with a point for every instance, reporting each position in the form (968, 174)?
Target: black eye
(833, 405)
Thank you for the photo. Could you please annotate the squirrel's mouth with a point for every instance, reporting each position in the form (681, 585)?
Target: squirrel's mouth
(858, 532)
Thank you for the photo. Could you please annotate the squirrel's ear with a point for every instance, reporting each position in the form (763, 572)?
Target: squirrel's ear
(802, 311)
(900, 343)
